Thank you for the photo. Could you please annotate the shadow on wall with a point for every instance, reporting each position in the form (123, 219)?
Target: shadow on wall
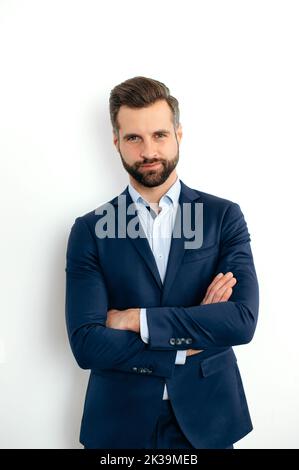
(107, 162)
(73, 380)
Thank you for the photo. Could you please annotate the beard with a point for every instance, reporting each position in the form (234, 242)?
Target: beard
(151, 177)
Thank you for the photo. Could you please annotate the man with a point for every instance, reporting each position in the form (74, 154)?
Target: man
(152, 317)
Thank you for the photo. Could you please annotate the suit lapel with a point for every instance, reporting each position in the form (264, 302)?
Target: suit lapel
(141, 244)
(177, 247)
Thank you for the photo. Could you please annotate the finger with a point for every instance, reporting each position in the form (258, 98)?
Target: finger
(191, 352)
(196, 351)
(213, 294)
(217, 296)
(222, 289)
(216, 278)
(219, 283)
(227, 293)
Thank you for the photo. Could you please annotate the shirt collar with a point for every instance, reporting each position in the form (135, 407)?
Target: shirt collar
(171, 196)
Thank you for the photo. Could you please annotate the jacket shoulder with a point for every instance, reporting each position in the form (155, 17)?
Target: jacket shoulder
(215, 201)
(93, 214)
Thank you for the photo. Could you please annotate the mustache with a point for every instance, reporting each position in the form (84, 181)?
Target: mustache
(148, 161)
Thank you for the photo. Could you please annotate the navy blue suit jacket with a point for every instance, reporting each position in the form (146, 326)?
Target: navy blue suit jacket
(127, 377)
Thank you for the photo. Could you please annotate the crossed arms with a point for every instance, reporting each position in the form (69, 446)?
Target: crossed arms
(219, 290)
(216, 322)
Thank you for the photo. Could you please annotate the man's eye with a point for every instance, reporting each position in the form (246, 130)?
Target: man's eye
(133, 138)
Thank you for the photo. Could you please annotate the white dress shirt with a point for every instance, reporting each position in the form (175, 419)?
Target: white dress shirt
(158, 230)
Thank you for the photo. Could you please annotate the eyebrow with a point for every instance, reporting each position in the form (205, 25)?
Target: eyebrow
(162, 131)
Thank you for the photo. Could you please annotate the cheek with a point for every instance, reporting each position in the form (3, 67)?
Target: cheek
(130, 152)
(170, 149)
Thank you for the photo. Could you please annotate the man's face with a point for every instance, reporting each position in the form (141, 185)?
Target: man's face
(148, 143)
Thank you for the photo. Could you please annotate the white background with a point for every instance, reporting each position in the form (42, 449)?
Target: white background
(233, 65)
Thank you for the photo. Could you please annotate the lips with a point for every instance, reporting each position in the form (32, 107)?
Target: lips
(150, 165)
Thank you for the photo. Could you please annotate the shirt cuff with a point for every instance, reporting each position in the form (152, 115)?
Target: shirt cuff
(144, 333)
(181, 357)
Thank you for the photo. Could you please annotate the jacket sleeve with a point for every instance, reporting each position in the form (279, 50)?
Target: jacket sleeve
(221, 324)
(94, 345)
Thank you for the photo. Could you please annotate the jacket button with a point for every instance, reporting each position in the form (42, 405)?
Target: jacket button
(135, 369)
(188, 340)
(172, 341)
(179, 341)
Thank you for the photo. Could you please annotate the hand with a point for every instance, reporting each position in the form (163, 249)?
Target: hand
(191, 352)
(128, 319)
(219, 290)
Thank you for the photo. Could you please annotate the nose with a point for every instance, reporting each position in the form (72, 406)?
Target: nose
(148, 149)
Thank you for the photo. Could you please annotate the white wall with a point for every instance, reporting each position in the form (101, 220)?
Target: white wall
(233, 65)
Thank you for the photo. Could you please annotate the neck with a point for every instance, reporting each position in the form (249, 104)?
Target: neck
(154, 194)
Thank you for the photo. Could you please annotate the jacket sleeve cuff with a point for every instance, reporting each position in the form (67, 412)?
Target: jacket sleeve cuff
(181, 357)
(144, 333)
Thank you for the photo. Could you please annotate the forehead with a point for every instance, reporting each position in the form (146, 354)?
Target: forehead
(145, 119)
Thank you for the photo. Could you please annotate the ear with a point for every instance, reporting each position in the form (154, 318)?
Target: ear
(179, 132)
(115, 140)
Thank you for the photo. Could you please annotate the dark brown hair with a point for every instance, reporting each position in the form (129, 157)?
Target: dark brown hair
(140, 92)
